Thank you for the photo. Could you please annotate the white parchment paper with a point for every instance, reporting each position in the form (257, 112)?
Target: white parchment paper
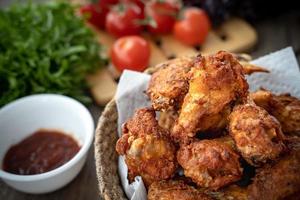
(284, 77)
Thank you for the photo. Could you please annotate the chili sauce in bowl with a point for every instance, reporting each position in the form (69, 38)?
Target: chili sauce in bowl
(44, 142)
(40, 152)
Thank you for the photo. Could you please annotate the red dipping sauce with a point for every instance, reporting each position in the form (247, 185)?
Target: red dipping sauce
(41, 152)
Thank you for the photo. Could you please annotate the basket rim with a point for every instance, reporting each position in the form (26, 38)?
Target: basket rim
(106, 158)
(107, 191)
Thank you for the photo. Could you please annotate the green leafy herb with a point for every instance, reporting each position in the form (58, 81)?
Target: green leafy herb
(45, 48)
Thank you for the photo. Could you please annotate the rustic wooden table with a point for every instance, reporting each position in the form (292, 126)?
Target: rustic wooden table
(273, 35)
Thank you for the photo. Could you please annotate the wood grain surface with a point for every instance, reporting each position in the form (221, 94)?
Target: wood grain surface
(273, 34)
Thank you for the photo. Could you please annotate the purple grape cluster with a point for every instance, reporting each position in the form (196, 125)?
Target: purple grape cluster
(251, 10)
(220, 10)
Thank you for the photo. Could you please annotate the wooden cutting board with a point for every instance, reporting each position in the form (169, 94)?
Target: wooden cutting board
(235, 35)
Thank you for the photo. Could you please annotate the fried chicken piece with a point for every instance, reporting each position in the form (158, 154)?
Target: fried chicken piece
(213, 124)
(249, 68)
(217, 82)
(262, 98)
(209, 163)
(278, 181)
(231, 192)
(167, 119)
(293, 142)
(256, 133)
(169, 84)
(228, 141)
(285, 108)
(147, 148)
(174, 190)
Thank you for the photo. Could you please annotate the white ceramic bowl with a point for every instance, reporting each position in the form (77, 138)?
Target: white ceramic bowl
(24, 116)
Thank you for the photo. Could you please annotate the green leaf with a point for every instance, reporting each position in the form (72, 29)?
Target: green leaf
(45, 48)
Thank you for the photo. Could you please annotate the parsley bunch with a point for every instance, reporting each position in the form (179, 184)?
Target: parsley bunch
(45, 48)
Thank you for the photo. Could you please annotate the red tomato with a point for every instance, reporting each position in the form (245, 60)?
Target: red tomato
(193, 28)
(123, 20)
(107, 2)
(96, 12)
(163, 14)
(139, 3)
(130, 52)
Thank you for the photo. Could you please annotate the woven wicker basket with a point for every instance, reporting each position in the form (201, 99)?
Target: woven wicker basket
(106, 156)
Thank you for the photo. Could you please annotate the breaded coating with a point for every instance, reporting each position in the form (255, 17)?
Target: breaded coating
(228, 141)
(278, 181)
(209, 163)
(249, 68)
(217, 82)
(256, 133)
(262, 98)
(293, 142)
(231, 192)
(169, 84)
(167, 119)
(175, 190)
(148, 150)
(213, 123)
(285, 108)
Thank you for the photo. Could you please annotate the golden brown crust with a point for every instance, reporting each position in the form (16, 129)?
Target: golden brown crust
(169, 84)
(257, 134)
(167, 119)
(293, 142)
(226, 139)
(210, 163)
(212, 124)
(148, 150)
(235, 192)
(284, 107)
(174, 190)
(231, 192)
(216, 82)
(262, 98)
(249, 68)
(215, 122)
(274, 182)
(142, 123)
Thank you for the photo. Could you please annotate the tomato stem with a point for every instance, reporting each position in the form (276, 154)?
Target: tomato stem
(147, 21)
